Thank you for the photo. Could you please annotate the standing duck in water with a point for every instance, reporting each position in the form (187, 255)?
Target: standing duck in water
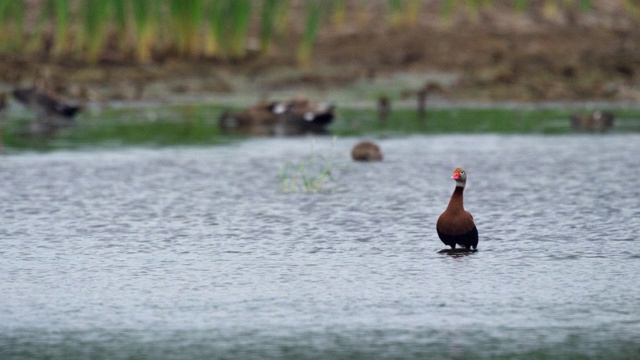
(455, 225)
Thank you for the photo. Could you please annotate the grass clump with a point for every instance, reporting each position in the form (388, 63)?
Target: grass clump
(310, 174)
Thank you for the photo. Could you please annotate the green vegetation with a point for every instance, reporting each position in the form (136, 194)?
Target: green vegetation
(472, 120)
(312, 25)
(309, 174)
(144, 30)
(155, 126)
(198, 125)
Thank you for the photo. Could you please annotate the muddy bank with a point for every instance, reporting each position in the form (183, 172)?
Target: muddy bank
(494, 56)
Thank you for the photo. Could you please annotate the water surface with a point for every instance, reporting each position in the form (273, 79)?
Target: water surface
(197, 253)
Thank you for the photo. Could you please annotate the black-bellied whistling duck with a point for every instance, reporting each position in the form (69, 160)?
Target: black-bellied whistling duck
(297, 116)
(366, 151)
(257, 120)
(455, 225)
(303, 116)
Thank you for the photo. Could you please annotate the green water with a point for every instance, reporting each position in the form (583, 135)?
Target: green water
(198, 125)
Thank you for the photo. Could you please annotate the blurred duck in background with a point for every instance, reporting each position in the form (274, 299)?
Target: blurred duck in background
(598, 121)
(51, 112)
(297, 116)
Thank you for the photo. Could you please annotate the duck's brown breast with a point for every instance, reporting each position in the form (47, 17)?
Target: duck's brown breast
(455, 222)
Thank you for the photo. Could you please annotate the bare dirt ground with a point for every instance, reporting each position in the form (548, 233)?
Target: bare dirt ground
(496, 55)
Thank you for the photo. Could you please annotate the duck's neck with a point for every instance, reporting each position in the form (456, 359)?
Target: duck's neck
(456, 203)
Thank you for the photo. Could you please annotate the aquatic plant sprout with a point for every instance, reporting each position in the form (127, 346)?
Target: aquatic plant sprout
(310, 174)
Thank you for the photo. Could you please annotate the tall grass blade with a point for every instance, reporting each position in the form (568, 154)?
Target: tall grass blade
(186, 18)
(447, 8)
(146, 15)
(550, 9)
(37, 36)
(473, 8)
(12, 14)
(521, 6)
(412, 12)
(240, 11)
(61, 41)
(339, 12)
(268, 25)
(217, 19)
(312, 24)
(585, 5)
(121, 11)
(96, 16)
(283, 8)
(395, 7)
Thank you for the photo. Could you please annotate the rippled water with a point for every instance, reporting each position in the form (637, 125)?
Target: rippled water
(196, 253)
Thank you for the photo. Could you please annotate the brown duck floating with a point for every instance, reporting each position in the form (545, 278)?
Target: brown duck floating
(51, 113)
(598, 121)
(297, 116)
(366, 151)
(455, 225)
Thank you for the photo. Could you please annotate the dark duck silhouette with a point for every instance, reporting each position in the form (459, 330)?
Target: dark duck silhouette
(297, 116)
(384, 108)
(51, 112)
(257, 120)
(455, 225)
(598, 121)
(366, 151)
(302, 116)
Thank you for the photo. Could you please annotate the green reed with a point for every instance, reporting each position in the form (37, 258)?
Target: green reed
(35, 38)
(339, 12)
(267, 25)
(94, 35)
(585, 5)
(312, 24)
(447, 8)
(214, 36)
(215, 28)
(186, 18)
(395, 15)
(61, 14)
(240, 14)
(283, 10)
(412, 12)
(521, 5)
(145, 15)
(11, 23)
(474, 7)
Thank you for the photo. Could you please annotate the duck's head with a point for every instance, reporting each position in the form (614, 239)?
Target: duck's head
(460, 176)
